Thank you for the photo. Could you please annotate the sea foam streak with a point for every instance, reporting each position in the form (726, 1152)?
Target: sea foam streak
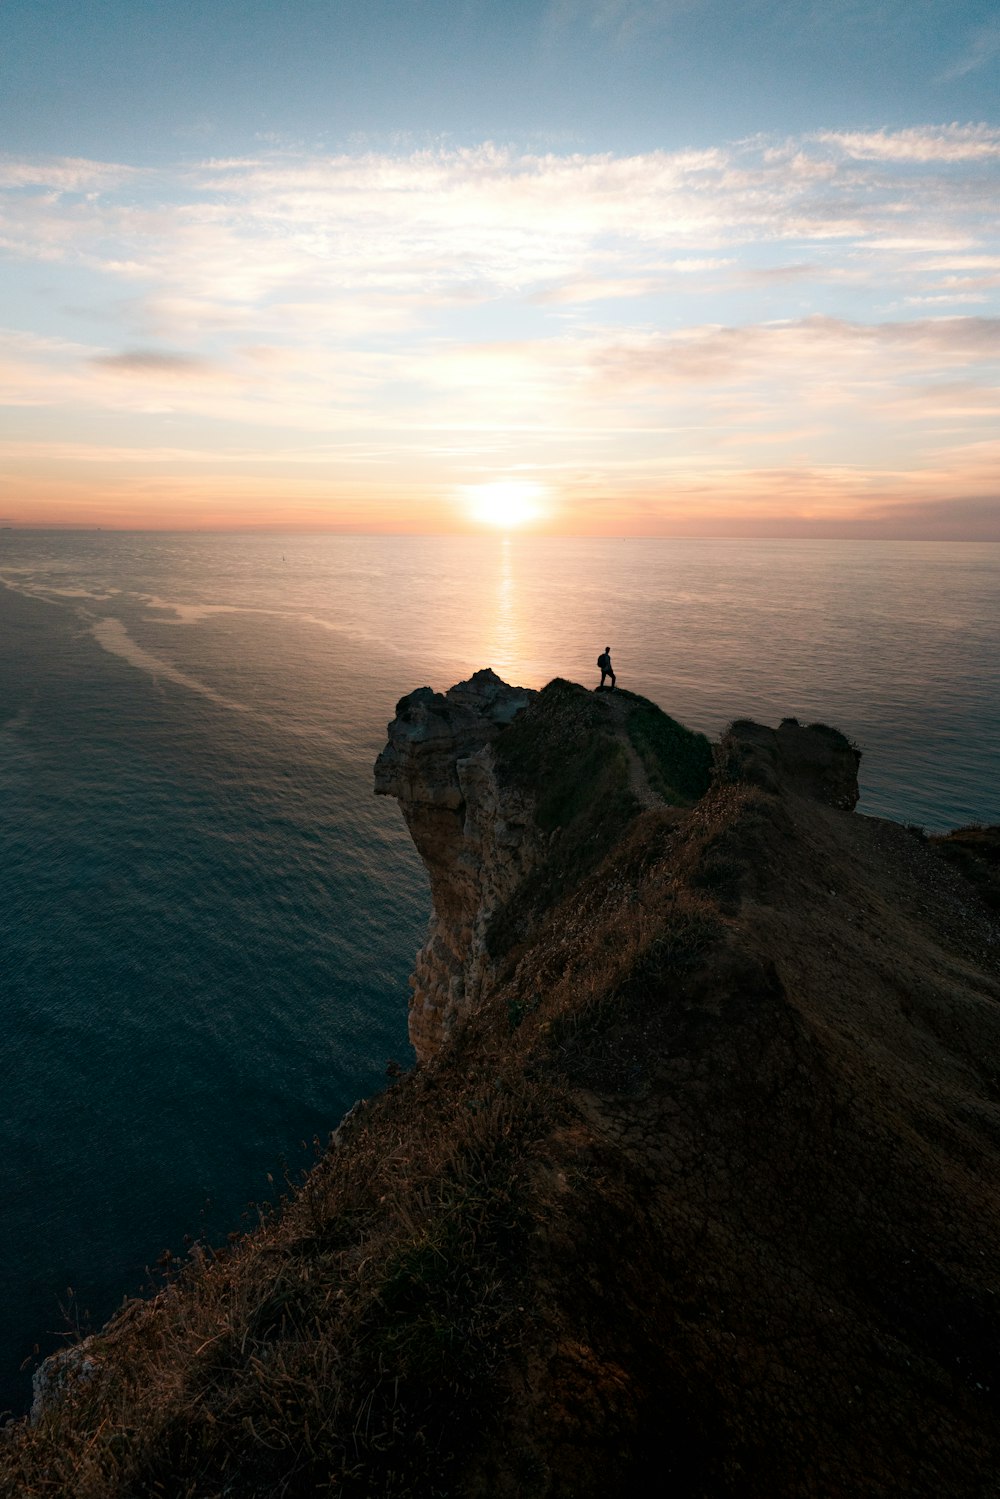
(112, 635)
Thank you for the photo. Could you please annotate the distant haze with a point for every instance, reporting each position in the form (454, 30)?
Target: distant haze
(604, 267)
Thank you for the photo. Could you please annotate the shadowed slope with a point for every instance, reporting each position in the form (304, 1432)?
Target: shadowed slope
(699, 1198)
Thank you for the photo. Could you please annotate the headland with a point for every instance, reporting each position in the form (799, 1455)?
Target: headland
(697, 1175)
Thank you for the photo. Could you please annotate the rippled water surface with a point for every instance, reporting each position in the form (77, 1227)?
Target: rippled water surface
(206, 918)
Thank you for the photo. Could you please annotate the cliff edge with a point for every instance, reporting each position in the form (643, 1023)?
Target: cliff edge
(477, 843)
(695, 1188)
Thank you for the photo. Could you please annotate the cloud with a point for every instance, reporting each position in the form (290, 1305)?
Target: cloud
(918, 144)
(608, 288)
(308, 389)
(154, 362)
(664, 317)
(227, 240)
(956, 517)
(774, 273)
(785, 350)
(64, 174)
(946, 299)
(621, 19)
(982, 49)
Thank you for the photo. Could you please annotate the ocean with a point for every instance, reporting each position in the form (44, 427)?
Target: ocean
(207, 919)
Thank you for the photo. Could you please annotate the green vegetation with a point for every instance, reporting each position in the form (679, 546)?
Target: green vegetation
(565, 755)
(565, 752)
(677, 761)
(570, 753)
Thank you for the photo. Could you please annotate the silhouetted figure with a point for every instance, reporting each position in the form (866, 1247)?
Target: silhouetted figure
(604, 662)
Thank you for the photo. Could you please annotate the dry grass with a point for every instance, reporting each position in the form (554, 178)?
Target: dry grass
(352, 1342)
(335, 1346)
(716, 1155)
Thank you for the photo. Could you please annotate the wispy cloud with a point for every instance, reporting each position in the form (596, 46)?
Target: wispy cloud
(154, 362)
(975, 517)
(65, 174)
(940, 143)
(788, 350)
(621, 19)
(983, 48)
(664, 318)
(445, 224)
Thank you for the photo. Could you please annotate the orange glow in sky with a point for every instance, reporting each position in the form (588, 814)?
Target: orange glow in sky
(505, 504)
(757, 338)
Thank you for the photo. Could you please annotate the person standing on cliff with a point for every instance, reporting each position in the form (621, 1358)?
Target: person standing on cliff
(604, 662)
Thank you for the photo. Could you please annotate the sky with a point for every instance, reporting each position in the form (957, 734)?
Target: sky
(599, 267)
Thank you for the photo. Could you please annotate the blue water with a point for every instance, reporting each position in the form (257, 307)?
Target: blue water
(206, 918)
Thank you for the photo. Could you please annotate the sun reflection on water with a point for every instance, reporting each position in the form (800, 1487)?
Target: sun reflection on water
(507, 633)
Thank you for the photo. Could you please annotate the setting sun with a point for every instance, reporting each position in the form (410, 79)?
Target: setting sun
(505, 502)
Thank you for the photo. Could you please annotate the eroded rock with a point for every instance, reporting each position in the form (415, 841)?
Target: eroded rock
(817, 762)
(476, 838)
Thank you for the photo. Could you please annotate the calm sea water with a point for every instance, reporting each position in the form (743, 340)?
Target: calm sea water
(206, 918)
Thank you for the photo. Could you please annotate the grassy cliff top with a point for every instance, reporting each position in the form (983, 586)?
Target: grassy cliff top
(590, 762)
(570, 749)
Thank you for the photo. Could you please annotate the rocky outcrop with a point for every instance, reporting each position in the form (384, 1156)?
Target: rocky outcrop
(476, 837)
(479, 832)
(57, 1375)
(975, 850)
(817, 762)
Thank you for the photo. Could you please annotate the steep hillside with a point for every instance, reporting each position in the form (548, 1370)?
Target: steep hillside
(694, 1191)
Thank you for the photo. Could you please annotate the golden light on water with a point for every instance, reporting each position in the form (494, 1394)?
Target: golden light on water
(505, 504)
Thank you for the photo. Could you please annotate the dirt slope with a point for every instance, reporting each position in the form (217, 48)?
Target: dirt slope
(773, 1266)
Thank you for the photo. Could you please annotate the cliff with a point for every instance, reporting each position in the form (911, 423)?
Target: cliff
(694, 1190)
(497, 837)
(477, 845)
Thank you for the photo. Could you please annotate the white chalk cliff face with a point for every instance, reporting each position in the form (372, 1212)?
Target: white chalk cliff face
(476, 837)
